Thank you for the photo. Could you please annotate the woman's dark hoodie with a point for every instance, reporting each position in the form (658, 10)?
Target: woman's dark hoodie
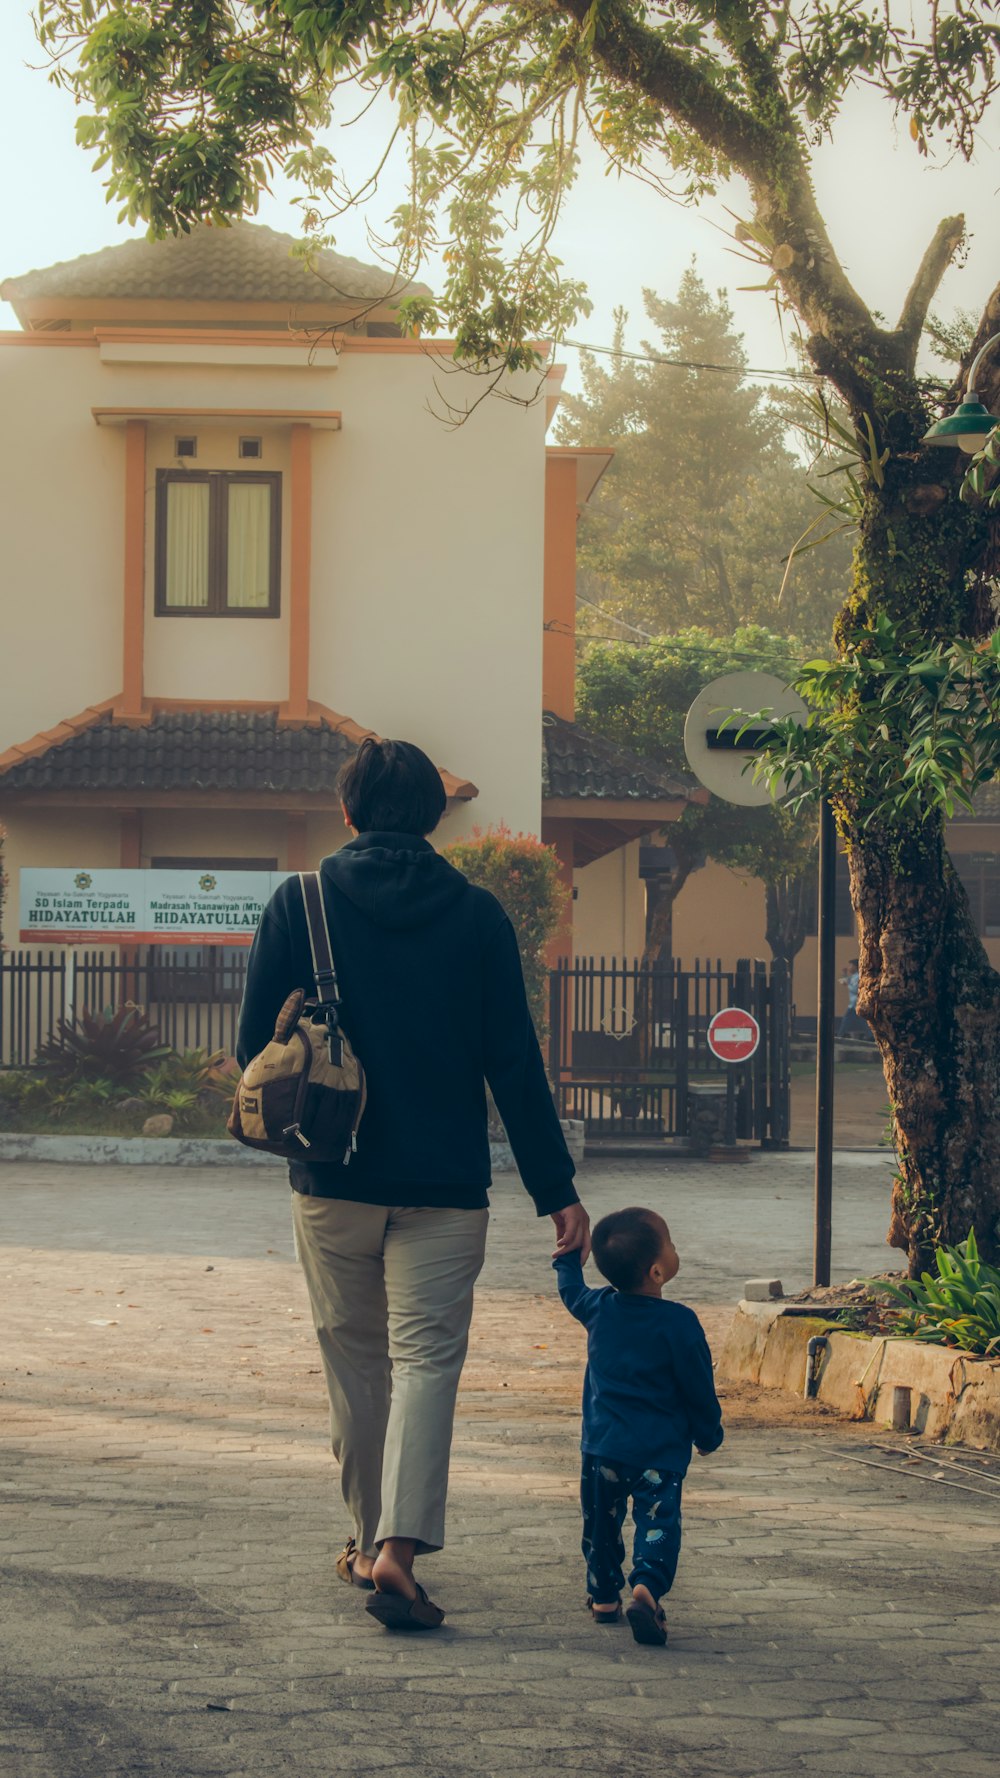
(433, 1001)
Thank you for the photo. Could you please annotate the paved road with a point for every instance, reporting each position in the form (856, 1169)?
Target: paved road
(169, 1520)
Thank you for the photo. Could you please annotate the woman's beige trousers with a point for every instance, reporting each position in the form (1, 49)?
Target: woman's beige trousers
(391, 1294)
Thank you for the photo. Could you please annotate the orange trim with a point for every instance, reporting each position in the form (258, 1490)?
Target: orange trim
(51, 737)
(297, 841)
(456, 789)
(300, 572)
(626, 808)
(135, 568)
(205, 336)
(130, 841)
(101, 311)
(559, 640)
(11, 338)
(591, 462)
(294, 415)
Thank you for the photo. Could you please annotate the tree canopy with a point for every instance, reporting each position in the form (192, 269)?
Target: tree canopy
(194, 102)
(704, 502)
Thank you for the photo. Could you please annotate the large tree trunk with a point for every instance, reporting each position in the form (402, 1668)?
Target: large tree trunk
(926, 987)
(933, 1002)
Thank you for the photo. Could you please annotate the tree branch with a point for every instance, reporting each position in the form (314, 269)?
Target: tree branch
(948, 237)
(637, 56)
(769, 155)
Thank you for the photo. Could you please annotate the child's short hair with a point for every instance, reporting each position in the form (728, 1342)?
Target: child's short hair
(625, 1245)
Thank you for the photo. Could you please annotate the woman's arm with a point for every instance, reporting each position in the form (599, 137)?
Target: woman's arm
(516, 1075)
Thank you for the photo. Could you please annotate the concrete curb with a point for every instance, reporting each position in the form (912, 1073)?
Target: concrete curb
(164, 1151)
(953, 1397)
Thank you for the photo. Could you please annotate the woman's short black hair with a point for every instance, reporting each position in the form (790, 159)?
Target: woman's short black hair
(392, 787)
(626, 1244)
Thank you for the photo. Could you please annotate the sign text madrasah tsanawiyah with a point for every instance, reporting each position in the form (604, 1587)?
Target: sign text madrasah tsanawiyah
(83, 905)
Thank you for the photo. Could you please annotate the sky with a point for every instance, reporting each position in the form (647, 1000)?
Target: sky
(882, 201)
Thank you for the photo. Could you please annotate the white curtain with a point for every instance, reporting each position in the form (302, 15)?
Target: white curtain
(248, 583)
(187, 544)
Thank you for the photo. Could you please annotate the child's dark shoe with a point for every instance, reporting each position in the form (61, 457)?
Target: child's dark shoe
(610, 1614)
(646, 1620)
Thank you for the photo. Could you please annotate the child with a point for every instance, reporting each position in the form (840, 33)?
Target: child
(647, 1394)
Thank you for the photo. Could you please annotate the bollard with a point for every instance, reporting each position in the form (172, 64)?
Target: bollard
(901, 1408)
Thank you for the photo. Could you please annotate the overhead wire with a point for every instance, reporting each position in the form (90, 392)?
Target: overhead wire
(732, 370)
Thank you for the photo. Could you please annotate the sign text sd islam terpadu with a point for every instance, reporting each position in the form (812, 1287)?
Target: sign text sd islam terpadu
(82, 905)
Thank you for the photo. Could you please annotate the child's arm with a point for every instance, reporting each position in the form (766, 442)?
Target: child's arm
(579, 1299)
(695, 1379)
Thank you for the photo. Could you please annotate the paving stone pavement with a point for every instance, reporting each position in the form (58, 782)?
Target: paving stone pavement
(169, 1518)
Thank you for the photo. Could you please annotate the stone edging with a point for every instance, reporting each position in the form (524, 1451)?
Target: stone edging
(953, 1396)
(163, 1151)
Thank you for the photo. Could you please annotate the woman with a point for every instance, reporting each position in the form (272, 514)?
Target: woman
(391, 1245)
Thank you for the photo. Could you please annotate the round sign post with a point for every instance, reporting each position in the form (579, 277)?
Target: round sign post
(733, 1035)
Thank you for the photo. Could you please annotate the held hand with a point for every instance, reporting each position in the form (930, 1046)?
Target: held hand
(573, 1231)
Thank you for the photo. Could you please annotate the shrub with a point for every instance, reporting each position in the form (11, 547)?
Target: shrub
(524, 876)
(960, 1307)
(200, 1073)
(118, 1046)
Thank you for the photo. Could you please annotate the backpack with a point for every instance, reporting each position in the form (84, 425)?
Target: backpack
(303, 1096)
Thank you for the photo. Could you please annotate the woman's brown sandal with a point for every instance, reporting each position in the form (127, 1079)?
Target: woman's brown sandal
(604, 1617)
(646, 1625)
(345, 1568)
(398, 1613)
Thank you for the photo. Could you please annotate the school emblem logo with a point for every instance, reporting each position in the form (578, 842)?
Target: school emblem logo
(83, 879)
(206, 882)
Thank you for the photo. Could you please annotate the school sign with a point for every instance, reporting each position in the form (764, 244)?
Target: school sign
(143, 907)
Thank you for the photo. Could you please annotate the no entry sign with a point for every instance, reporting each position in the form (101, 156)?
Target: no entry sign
(733, 1035)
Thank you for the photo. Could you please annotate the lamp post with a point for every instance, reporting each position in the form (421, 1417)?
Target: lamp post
(971, 424)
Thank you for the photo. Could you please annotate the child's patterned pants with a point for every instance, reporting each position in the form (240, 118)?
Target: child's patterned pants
(605, 1490)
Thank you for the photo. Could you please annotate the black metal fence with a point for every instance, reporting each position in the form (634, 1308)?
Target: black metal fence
(628, 1047)
(629, 1055)
(191, 993)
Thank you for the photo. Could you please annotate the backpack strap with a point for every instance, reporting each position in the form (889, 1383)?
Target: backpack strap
(324, 970)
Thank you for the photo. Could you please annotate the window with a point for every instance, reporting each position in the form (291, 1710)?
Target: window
(218, 543)
(979, 873)
(251, 447)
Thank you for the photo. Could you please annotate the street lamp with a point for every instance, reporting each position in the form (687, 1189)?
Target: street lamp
(971, 423)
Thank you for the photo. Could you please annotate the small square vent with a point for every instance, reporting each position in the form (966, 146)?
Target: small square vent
(251, 447)
(185, 447)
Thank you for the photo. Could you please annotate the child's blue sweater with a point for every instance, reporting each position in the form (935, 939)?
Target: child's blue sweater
(648, 1392)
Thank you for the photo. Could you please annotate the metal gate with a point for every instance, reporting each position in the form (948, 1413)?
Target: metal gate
(192, 994)
(629, 1055)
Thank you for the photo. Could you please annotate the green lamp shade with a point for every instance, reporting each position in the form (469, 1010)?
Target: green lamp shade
(968, 428)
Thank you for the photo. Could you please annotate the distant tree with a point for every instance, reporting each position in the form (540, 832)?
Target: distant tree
(704, 501)
(639, 697)
(3, 882)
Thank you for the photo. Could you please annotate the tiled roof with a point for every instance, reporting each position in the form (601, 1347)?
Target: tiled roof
(195, 749)
(575, 764)
(986, 803)
(243, 263)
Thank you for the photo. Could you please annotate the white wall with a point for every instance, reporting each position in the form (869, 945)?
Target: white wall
(427, 577)
(609, 914)
(62, 485)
